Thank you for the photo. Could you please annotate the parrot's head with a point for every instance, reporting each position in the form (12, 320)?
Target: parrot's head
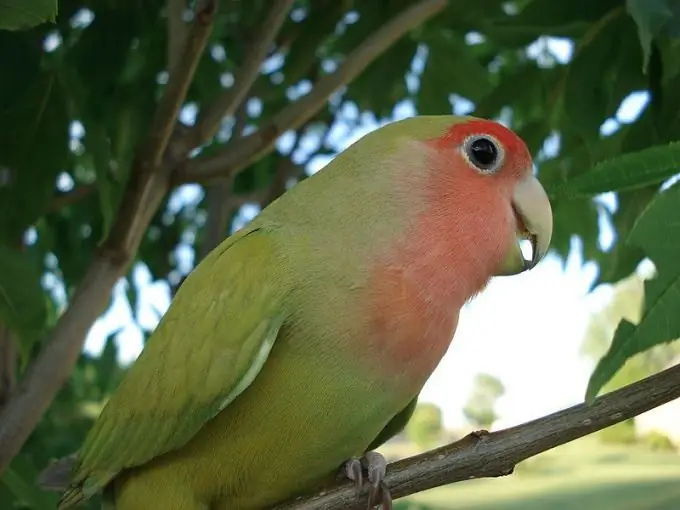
(493, 167)
(478, 204)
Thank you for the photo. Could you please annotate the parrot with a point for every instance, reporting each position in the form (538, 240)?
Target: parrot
(301, 343)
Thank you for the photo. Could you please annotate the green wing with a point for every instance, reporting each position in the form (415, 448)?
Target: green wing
(395, 425)
(207, 349)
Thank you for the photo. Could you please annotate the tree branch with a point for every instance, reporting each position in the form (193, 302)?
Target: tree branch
(234, 158)
(8, 360)
(144, 192)
(226, 105)
(496, 454)
(286, 169)
(177, 30)
(220, 203)
(219, 208)
(178, 84)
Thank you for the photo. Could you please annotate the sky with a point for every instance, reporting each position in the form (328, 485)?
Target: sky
(526, 330)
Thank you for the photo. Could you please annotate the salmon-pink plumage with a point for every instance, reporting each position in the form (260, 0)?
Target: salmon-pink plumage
(451, 250)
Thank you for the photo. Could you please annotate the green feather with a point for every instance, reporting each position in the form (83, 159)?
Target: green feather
(207, 349)
(395, 425)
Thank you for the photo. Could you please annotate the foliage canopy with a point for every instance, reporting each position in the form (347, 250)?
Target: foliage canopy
(78, 100)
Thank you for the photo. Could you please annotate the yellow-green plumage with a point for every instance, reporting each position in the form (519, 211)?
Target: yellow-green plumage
(305, 338)
(237, 298)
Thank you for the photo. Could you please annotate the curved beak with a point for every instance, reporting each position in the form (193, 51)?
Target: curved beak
(534, 223)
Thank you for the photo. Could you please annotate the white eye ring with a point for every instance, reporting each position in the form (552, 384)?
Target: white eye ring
(484, 153)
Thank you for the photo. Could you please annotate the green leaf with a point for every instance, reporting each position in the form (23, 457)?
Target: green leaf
(672, 29)
(451, 68)
(22, 300)
(548, 13)
(585, 99)
(20, 478)
(382, 84)
(107, 364)
(99, 147)
(651, 16)
(624, 257)
(313, 31)
(24, 14)
(518, 85)
(33, 134)
(630, 171)
(669, 123)
(575, 217)
(656, 231)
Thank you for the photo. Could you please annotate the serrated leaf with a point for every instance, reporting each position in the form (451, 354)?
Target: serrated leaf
(24, 14)
(630, 171)
(650, 17)
(656, 231)
(23, 305)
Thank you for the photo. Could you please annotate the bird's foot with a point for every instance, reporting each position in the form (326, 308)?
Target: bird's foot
(376, 467)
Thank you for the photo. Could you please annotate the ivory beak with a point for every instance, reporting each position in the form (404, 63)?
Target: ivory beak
(534, 223)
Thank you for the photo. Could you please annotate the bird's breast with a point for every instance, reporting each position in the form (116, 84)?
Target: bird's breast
(411, 326)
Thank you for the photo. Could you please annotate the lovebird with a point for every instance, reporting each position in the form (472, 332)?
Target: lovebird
(301, 343)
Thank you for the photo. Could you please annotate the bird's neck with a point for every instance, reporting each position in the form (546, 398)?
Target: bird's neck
(448, 256)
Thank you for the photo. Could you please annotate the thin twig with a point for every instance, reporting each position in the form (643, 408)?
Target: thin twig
(220, 203)
(233, 159)
(496, 454)
(8, 362)
(209, 119)
(179, 80)
(177, 31)
(287, 169)
(148, 184)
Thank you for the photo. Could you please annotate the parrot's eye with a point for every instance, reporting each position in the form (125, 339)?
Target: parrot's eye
(484, 153)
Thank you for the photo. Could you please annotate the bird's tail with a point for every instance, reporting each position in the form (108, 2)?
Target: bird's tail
(57, 476)
(71, 497)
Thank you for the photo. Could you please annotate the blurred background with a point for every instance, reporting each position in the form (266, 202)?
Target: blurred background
(582, 82)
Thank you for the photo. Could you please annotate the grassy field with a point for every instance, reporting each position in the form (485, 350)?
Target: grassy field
(583, 475)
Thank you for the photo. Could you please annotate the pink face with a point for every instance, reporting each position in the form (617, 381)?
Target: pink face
(460, 238)
(485, 153)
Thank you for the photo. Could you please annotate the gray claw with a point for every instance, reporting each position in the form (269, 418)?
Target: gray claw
(376, 468)
(353, 471)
